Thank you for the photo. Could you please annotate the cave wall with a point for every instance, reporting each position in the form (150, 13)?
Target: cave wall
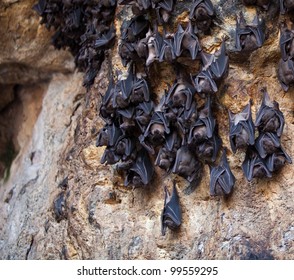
(59, 202)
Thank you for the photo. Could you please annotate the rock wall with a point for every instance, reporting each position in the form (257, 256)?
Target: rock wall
(59, 202)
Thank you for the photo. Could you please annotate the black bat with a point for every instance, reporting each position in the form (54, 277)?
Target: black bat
(106, 109)
(186, 118)
(286, 73)
(186, 40)
(167, 153)
(286, 42)
(286, 6)
(208, 149)
(155, 43)
(135, 29)
(249, 37)
(163, 9)
(261, 3)
(126, 119)
(241, 129)
(202, 12)
(187, 165)
(110, 156)
(143, 114)
(269, 118)
(204, 83)
(267, 143)
(40, 7)
(171, 216)
(140, 91)
(124, 147)
(222, 179)
(204, 126)
(155, 132)
(277, 160)
(167, 52)
(254, 166)
(106, 39)
(108, 136)
(141, 172)
(127, 52)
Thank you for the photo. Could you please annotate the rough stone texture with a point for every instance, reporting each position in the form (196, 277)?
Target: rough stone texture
(101, 219)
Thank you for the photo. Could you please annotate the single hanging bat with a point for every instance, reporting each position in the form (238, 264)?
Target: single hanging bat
(241, 129)
(171, 216)
(269, 118)
(222, 179)
(267, 143)
(277, 160)
(286, 42)
(286, 73)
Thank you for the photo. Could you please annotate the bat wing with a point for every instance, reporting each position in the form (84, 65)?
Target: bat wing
(215, 174)
(178, 38)
(229, 178)
(286, 36)
(282, 7)
(258, 32)
(220, 65)
(114, 134)
(40, 7)
(127, 113)
(166, 5)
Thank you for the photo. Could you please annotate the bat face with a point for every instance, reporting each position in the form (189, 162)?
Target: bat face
(171, 215)
(202, 12)
(269, 118)
(241, 129)
(222, 179)
(254, 166)
(249, 37)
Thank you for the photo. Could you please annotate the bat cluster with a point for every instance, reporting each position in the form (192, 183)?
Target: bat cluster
(264, 155)
(286, 63)
(249, 37)
(82, 26)
(162, 8)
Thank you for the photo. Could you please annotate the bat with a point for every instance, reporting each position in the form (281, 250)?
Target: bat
(186, 118)
(171, 216)
(208, 149)
(143, 113)
(163, 9)
(127, 52)
(277, 160)
(140, 91)
(167, 52)
(204, 127)
(286, 42)
(204, 83)
(124, 147)
(261, 3)
(248, 37)
(167, 154)
(108, 136)
(155, 132)
(202, 12)
(40, 7)
(109, 156)
(267, 143)
(269, 118)
(254, 166)
(135, 29)
(106, 109)
(241, 129)
(286, 73)
(106, 39)
(286, 6)
(154, 44)
(186, 40)
(141, 172)
(187, 165)
(222, 179)
(60, 207)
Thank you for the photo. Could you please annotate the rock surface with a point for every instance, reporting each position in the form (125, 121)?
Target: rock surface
(59, 202)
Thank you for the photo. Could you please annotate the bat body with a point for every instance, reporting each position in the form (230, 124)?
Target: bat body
(241, 129)
(254, 166)
(222, 179)
(106, 39)
(249, 37)
(208, 149)
(143, 114)
(286, 42)
(286, 6)
(171, 216)
(277, 160)
(286, 73)
(269, 118)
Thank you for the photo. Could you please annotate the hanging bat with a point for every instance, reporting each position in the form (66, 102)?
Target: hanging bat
(154, 44)
(126, 119)
(108, 136)
(269, 118)
(267, 143)
(186, 118)
(167, 52)
(261, 3)
(141, 172)
(286, 42)
(241, 129)
(277, 160)
(140, 91)
(186, 40)
(286, 6)
(40, 7)
(127, 52)
(106, 39)
(124, 147)
(204, 83)
(155, 132)
(110, 156)
(163, 9)
(204, 126)
(171, 216)
(254, 166)
(222, 179)
(249, 37)
(187, 165)
(286, 73)
(135, 29)
(106, 109)
(143, 114)
(208, 149)
(202, 12)
(167, 153)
